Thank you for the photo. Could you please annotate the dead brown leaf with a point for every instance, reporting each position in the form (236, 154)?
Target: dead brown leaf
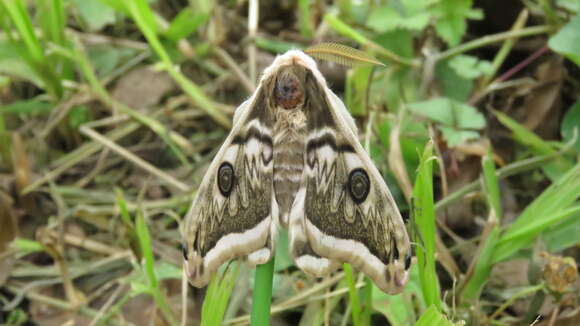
(544, 98)
(142, 87)
(8, 232)
(560, 273)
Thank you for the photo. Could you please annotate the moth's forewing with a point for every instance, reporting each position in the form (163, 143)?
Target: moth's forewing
(344, 211)
(233, 211)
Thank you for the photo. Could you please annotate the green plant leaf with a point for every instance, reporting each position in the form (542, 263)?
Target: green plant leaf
(145, 244)
(455, 137)
(432, 317)
(27, 107)
(26, 246)
(262, 296)
(276, 46)
(424, 218)
(138, 287)
(552, 206)
(185, 23)
(469, 67)
(383, 19)
(78, 116)
(483, 267)
(454, 118)
(387, 19)
(484, 259)
(571, 122)
(305, 19)
(567, 40)
(12, 63)
(452, 84)
(563, 235)
(537, 145)
(118, 6)
(400, 42)
(571, 5)
(106, 58)
(406, 14)
(95, 14)
(32, 50)
(283, 259)
(450, 113)
(451, 16)
(218, 294)
(165, 271)
(357, 84)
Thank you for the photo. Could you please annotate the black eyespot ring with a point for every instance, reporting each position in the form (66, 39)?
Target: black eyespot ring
(225, 178)
(408, 261)
(395, 252)
(359, 185)
(184, 250)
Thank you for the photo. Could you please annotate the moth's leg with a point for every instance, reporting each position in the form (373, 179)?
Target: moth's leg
(304, 256)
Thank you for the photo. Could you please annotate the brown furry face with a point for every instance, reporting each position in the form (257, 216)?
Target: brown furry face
(289, 90)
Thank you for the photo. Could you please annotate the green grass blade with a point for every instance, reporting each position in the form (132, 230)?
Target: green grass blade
(123, 210)
(482, 268)
(276, 46)
(53, 22)
(432, 317)
(217, 296)
(355, 307)
(367, 301)
(145, 243)
(539, 146)
(185, 23)
(262, 298)
(550, 207)
(484, 259)
(521, 238)
(144, 238)
(21, 20)
(304, 19)
(492, 185)
(424, 217)
(34, 54)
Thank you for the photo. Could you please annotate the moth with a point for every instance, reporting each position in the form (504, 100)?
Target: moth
(293, 160)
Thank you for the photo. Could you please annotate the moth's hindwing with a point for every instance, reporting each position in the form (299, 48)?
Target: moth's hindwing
(232, 214)
(344, 211)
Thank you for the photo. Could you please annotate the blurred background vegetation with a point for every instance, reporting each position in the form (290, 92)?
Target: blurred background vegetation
(112, 110)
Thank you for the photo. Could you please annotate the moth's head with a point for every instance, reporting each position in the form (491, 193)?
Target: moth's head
(287, 77)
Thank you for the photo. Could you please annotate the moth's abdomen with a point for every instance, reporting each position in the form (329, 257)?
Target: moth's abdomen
(288, 167)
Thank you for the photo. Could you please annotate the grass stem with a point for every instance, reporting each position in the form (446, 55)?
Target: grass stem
(262, 297)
